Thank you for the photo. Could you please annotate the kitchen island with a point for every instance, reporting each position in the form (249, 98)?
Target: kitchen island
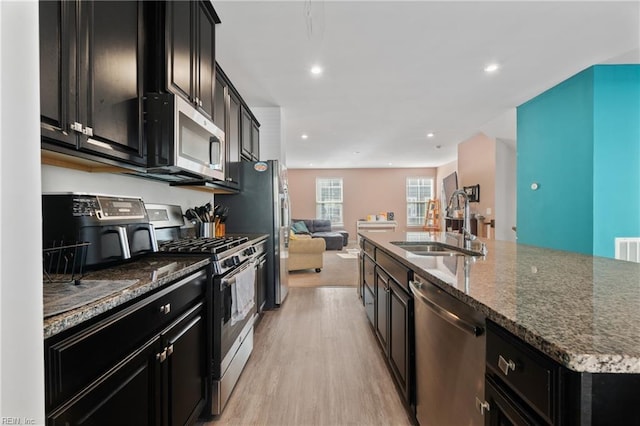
(580, 312)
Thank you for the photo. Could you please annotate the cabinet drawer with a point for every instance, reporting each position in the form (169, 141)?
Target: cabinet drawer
(399, 272)
(76, 360)
(369, 249)
(529, 373)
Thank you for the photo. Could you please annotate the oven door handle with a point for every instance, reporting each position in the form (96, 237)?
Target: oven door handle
(225, 281)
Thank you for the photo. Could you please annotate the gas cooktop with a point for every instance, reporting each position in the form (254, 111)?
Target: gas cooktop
(202, 245)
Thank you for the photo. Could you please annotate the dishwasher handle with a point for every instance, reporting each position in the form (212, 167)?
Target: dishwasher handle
(462, 324)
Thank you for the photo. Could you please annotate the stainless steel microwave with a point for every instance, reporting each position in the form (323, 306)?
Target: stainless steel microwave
(182, 144)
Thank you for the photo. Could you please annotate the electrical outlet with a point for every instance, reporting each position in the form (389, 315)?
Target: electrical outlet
(488, 211)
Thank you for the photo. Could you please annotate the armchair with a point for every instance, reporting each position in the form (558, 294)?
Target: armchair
(305, 253)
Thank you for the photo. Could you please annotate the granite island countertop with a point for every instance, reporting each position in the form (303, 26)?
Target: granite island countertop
(583, 311)
(105, 289)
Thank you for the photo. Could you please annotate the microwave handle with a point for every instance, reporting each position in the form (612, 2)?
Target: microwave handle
(213, 140)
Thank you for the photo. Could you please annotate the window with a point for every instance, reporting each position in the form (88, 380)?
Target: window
(329, 200)
(419, 190)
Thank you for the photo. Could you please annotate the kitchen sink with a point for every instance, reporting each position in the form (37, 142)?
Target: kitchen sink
(423, 248)
(433, 248)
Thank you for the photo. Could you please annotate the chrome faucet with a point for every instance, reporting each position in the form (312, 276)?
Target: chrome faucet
(466, 226)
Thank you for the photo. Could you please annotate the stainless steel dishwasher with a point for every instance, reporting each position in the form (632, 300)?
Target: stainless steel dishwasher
(449, 358)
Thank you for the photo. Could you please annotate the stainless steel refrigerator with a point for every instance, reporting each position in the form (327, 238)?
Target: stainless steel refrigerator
(262, 206)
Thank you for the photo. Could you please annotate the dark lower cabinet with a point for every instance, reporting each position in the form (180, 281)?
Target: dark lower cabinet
(400, 336)
(145, 364)
(127, 395)
(393, 326)
(184, 370)
(262, 278)
(382, 309)
(504, 410)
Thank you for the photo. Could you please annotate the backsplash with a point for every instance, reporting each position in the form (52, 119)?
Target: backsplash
(59, 179)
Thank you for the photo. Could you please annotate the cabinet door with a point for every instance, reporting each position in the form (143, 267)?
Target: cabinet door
(58, 71)
(245, 133)
(233, 140)
(504, 410)
(110, 81)
(255, 141)
(400, 335)
(185, 367)
(220, 94)
(262, 279)
(205, 62)
(127, 395)
(180, 72)
(382, 308)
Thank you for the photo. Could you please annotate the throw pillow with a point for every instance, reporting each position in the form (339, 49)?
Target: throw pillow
(292, 235)
(300, 228)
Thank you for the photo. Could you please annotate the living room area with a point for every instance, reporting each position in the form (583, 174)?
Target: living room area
(338, 199)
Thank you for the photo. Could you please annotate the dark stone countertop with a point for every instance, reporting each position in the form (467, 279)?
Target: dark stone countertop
(583, 311)
(105, 289)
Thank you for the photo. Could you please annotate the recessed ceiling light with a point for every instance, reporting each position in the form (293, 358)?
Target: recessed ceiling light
(316, 70)
(430, 135)
(491, 68)
(311, 164)
(390, 164)
(304, 136)
(438, 146)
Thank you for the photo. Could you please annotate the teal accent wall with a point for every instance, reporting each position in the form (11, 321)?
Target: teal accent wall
(580, 141)
(616, 171)
(555, 150)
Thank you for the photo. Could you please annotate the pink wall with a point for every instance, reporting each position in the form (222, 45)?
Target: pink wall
(477, 165)
(366, 191)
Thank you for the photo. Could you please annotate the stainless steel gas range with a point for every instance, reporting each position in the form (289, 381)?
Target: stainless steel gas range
(233, 312)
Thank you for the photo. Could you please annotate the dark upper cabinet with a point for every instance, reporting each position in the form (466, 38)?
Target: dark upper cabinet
(91, 77)
(111, 63)
(190, 54)
(255, 141)
(233, 138)
(58, 71)
(249, 135)
(226, 115)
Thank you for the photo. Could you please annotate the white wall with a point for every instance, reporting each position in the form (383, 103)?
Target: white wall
(505, 200)
(57, 179)
(21, 344)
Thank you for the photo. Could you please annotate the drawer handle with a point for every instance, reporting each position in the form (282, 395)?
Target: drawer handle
(482, 406)
(165, 309)
(505, 365)
(169, 350)
(162, 355)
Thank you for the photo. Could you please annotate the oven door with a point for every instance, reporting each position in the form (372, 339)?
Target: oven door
(233, 324)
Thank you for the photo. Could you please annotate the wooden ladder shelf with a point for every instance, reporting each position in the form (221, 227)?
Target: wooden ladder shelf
(432, 216)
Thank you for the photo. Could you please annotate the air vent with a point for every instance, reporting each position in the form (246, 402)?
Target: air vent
(628, 249)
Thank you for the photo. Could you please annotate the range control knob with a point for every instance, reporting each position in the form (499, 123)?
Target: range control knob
(231, 261)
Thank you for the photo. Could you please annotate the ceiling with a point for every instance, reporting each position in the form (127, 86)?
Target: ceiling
(395, 71)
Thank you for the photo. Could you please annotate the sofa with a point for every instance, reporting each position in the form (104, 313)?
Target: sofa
(305, 252)
(321, 228)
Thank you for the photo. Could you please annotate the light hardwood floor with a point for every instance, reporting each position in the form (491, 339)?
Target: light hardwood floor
(315, 362)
